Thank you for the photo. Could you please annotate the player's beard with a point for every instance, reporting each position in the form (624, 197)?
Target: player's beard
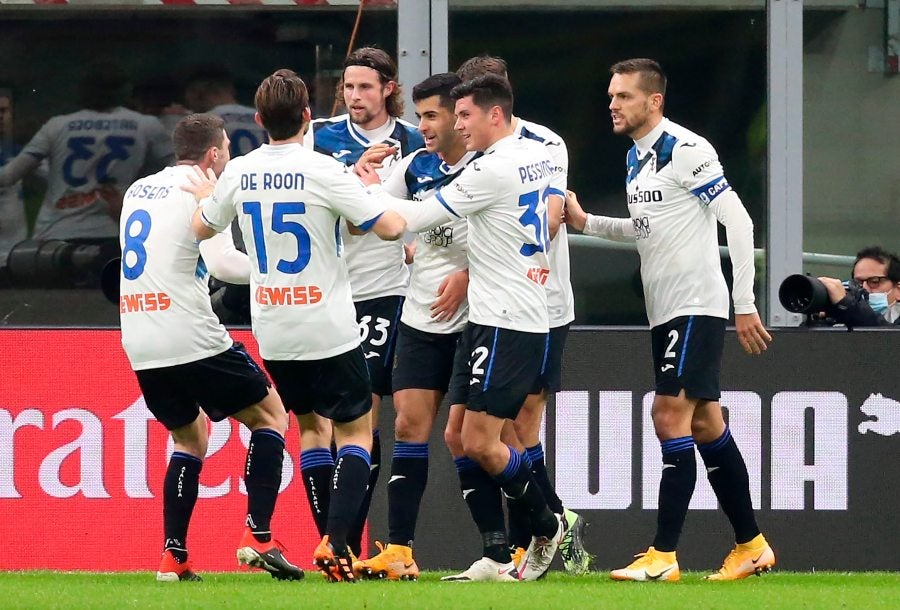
(636, 124)
(363, 117)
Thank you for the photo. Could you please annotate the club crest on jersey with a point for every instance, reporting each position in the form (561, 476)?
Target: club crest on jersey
(708, 192)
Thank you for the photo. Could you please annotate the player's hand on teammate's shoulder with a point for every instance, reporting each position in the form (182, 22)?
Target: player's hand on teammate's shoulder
(201, 184)
(573, 214)
(752, 335)
(374, 155)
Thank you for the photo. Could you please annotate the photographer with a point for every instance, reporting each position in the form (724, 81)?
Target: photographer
(877, 272)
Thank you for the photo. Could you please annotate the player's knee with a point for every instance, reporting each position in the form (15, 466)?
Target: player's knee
(411, 429)
(453, 440)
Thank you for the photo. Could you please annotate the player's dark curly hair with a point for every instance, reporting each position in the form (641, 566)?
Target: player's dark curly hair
(197, 133)
(381, 62)
(280, 101)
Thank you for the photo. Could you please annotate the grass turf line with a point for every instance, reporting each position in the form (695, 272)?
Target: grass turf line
(867, 590)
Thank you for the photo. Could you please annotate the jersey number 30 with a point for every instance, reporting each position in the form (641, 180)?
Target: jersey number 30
(279, 225)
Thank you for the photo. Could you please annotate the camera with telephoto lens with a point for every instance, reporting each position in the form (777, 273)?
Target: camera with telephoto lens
(56, 263)
(808, 295)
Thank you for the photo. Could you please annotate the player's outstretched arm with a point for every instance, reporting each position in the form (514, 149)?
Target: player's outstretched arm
(574, 214)
(389, 226)
(224, 261)
(616, 229)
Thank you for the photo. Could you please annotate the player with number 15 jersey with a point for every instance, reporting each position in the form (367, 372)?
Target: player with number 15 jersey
(288, 201)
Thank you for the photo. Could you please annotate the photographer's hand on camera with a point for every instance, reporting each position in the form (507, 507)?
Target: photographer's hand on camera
(850, 305)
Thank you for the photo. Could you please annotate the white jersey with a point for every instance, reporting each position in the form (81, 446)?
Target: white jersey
(502, 196)
(240, 125)
(13, 226)
(93, 157)
(164, 302)
(439, 251)
(560, 297)
(289, 202)
(377, 268)
(673, 177)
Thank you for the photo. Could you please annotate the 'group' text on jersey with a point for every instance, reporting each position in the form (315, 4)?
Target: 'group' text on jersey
(673, 175)
(289, 202)
(441, 250)
(377, 268)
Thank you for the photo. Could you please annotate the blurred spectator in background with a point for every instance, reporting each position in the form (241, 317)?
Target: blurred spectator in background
(92, 155)
(159, 96)
(211, 89)
(877, 272)
(13, 227)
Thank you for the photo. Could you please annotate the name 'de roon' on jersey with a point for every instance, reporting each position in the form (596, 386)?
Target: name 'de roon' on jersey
(377, 268)
(672, 177)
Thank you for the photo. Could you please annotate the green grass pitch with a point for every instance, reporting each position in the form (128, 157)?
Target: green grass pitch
(864, 590)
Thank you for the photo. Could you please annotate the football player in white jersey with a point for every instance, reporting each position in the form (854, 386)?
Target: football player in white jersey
(371, 131)
(185, 360)
(434, 314)
(524, 433)
(677, 191)
(13, 226)
(289, 201)
(502, 194)
(93, 154)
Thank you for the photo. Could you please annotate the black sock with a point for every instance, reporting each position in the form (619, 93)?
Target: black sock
(675, 490)
(262, 476)
(348, 486)
(317, 468)
(539, 472)
(519, 523)
(409, 475)
(520, 487)
(727, 474)
(482, 496)
(354, 537)
(180, 488)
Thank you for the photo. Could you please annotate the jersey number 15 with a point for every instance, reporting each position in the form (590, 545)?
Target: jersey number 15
(279, 225)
